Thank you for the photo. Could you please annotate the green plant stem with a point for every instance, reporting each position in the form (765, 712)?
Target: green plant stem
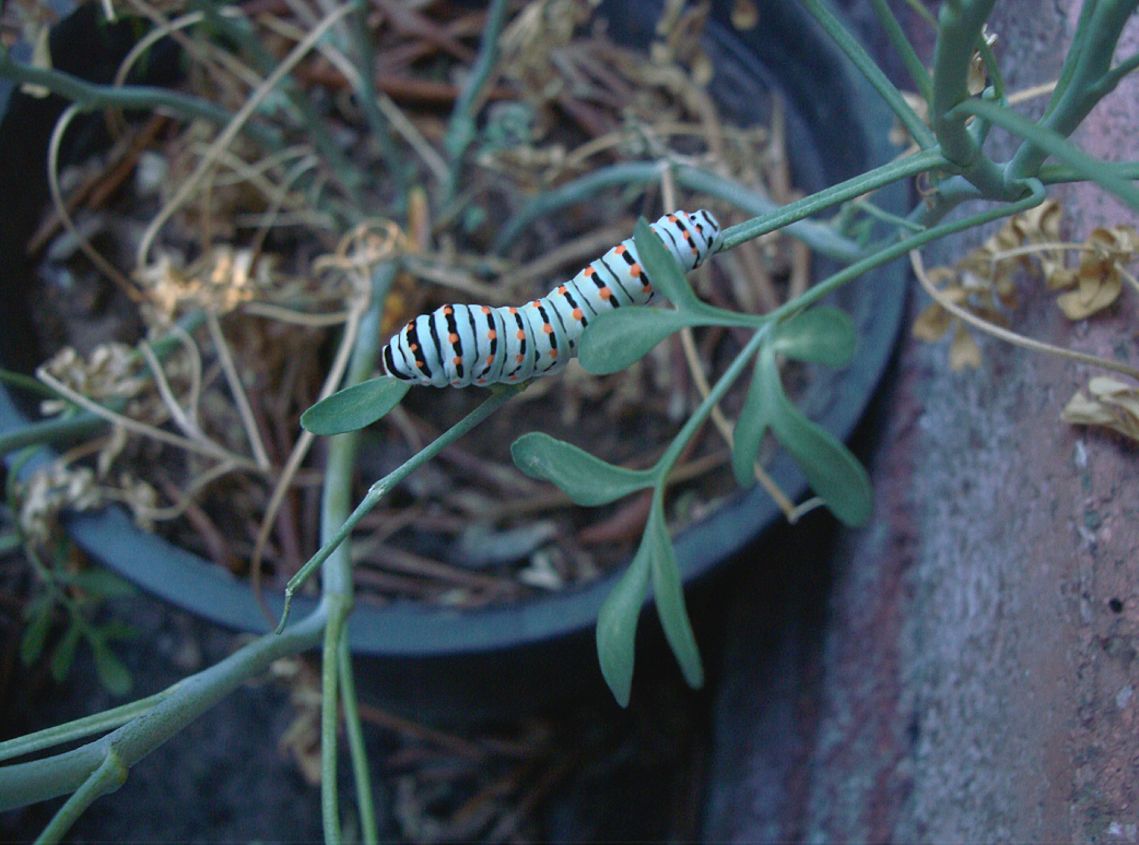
(1087, 78)
(1071, 57)
(368, 99)
(869, 69)
(917, 241)
(499, 396)
(920, 162)
(90, 96)
(992, 68)
(461, 128)
(672, 454)
(959, 28)
(50, 431)
(1114, 76)
(361, 771)
(821, 237)
(337, 586)
(960, 25)
(78, 728)
(821, 290)
(1055, 174)
(108, 777)
(338, 607)
(818, 236)
(38, 780)
(1055, 144)
(26, 384)
(898, 40)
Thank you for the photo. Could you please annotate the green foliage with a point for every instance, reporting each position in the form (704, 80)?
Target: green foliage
(618, 339)
(77, 600)
(617, 621)
(354, 407)
(669, 595)
(615, 340)
(660, 267)
(953, 154)
(617, 625)
(755, 417)
(822, 335)
(586, 479)
(831, 470)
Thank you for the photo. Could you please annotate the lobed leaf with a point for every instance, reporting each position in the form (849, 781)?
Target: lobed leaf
(113, 674)
(102, 583)
(354, 407)
(669, 596)
(615, 340)
(750, 427)
(661, 268)
(35, 634)
(822, 335)
(585, 478)
(832, 471)
(64, 654)
(617, 626)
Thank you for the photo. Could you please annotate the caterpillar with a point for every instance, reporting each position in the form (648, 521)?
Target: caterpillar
(458, 345)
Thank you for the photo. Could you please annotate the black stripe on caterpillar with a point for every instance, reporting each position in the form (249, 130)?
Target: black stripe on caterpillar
(458, 345)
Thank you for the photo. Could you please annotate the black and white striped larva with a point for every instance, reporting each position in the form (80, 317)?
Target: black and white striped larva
(459, 345)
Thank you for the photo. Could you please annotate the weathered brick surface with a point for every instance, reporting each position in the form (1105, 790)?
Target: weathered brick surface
(973, 676)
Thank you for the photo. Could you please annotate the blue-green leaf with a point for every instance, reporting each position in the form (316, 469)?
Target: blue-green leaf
(64, 654)
(615, 340)
(832, 471)
(823, 335)
(617, 626)
(586, 479)
(661, 268)
(669, 596)
(750, 428)
(102, 583)
(354, 407)
(35, 634)
(113, 675)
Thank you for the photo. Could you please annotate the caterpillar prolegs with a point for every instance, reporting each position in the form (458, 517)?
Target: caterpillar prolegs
(459, 345)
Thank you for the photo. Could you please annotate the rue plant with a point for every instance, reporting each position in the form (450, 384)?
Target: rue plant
(950, 153)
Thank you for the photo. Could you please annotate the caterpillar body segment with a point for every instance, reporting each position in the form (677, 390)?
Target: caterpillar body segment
(458, 345)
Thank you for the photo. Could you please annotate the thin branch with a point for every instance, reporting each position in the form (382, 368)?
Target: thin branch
(461, 129)
(361, 769)
(109, 776)
(499, 396)
(88, 96)
(692, 358)
(865, 183)
(185, 701)
(858, 56)
(1051, 142)
(904, 48)
(904, 246)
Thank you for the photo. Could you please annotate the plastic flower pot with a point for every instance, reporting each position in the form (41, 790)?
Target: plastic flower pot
(506, 659)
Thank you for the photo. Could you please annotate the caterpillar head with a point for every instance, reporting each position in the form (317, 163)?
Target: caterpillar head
(709, 228)
(393, 366)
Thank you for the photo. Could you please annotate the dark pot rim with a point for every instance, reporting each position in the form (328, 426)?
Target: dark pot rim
(828, 93)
